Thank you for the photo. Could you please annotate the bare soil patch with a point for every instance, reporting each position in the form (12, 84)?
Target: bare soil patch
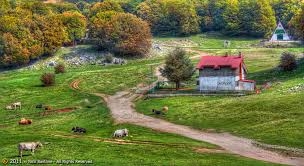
(75, 84)
(51, 1)
(3, 126)
(63, 110)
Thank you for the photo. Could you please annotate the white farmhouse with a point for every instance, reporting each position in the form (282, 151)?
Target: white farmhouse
(223, 73)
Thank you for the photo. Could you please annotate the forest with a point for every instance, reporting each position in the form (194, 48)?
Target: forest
(32, 29)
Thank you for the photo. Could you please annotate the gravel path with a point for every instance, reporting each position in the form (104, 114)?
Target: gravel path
(122, 109)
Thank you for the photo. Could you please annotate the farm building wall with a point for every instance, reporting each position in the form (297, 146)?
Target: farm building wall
(217, 83)
(247, 86)
(244, 72)
(276, 38)
(213, 80)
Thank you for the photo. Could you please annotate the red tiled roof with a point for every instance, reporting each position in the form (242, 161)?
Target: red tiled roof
(217, 62)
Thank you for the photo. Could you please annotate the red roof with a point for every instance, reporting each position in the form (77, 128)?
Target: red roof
(217, 62)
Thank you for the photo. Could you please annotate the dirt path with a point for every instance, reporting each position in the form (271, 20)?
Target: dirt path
(122, 110)
(121, 107)
(199, 53)
(51, 1)
(75, 84)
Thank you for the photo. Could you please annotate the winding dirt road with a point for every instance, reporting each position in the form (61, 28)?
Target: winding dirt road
(122, 109)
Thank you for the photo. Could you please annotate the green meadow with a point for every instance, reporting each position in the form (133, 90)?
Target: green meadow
(54, 130)
(276, 116)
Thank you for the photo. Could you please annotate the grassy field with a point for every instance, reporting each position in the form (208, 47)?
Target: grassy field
(54, 130)
(275, 117)
(210, 41)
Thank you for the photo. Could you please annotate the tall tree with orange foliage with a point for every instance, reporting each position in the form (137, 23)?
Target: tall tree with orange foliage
(121, 33)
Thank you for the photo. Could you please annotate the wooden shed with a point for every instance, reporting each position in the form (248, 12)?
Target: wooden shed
(223, 73)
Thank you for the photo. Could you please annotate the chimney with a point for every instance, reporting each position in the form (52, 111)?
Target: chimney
(240, 54)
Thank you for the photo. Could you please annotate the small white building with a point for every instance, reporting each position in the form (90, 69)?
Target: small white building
(279, 34)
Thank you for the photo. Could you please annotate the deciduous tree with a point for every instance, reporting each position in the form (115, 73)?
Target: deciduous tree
(105, 6)
(297, 24)
(121, 33)
(231, 17)
(178, 67)
(173, 17)
(53, 33)
(13, 51)
(257, 18)
(75, 24)
(286, 9)
(4, 6)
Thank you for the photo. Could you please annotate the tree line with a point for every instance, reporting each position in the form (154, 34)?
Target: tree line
(30, 29)
(256, 18)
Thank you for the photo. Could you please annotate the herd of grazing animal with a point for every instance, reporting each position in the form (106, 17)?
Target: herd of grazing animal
(32, 146)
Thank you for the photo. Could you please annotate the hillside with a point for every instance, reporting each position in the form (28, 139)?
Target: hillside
(275, 116)
(85, 81)
(53, 130)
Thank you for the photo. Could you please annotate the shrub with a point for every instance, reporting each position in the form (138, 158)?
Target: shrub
(288, 61)
(109, 58)
(60, 68)
(48, 79)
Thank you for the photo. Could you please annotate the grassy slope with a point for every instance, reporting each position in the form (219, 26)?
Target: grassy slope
(211, 41)
(24, 86)
(276, 116)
